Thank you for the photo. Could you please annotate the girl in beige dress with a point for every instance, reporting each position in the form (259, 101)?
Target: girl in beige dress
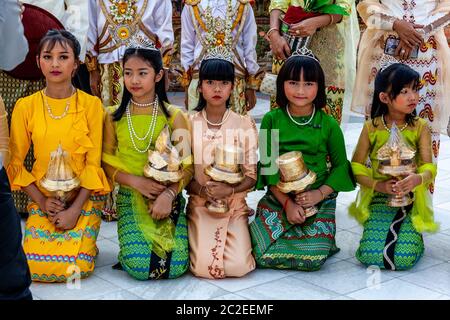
(220, 242)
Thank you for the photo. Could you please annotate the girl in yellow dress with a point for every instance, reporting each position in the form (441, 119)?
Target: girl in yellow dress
(60, 240)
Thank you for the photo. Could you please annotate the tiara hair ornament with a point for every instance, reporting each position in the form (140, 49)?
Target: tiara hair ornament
(387, 61)
(218, 40)
(303, 52)
(140, 42)
(219, 52)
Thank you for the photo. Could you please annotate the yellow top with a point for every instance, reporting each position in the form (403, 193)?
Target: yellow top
(79, 132)
(4, 135)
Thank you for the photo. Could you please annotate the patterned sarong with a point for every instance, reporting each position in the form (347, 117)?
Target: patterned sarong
(280, 245)
(137, 252)
(57, 256)
(389, 239)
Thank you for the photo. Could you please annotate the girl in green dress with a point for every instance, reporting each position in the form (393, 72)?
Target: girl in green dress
(282, 237)
(152, 223)
(392, 236)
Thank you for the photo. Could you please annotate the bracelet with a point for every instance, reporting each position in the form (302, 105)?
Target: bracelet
(113, 177)
(168, 195)
(269, 32)
(421, 178)
(323, 195)
(331, 19)
(172, 193)
(285, 204)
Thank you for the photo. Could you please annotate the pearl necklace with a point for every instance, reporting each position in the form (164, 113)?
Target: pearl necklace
(150, 131)
(389, 130)
(143, 105)
(224, 118)
(301, 123)
(49, 109)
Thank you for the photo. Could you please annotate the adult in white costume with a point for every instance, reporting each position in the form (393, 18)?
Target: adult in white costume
(408, 20)
(112, 24)
(199, 17)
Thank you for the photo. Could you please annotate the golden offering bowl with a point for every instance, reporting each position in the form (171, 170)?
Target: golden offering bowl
(396, 159)
(65, 191)
(220, 206)
(298, 185)
(60, 185)
(227, 159)
(217, 206)
(291, 166)
(398, 172)
(60, 180)
(223, 176)
(164, 177)
(164, 164)
(295, 177)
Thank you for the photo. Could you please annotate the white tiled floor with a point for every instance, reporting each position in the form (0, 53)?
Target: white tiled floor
(341, 278)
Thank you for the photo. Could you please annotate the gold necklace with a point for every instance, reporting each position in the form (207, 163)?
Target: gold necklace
(49, 109)
(389, 130)
(218, 124)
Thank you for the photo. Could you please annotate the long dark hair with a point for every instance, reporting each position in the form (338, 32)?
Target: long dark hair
(153, 57)
(214, 69)
(392, 80)
(312, 72)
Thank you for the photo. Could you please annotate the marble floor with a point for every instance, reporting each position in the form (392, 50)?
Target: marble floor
(341, 278)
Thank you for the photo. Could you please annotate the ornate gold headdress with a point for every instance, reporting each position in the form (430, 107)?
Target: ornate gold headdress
(60, 178)
(218, 39)
(164, 163)
(395, 150)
